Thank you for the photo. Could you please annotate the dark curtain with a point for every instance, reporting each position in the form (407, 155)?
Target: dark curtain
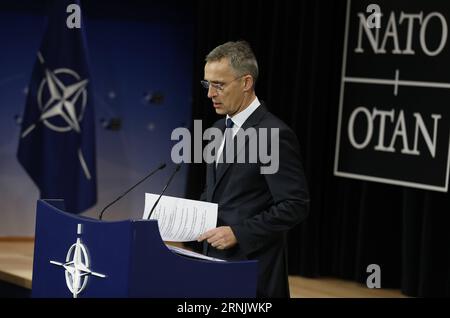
(352, 223)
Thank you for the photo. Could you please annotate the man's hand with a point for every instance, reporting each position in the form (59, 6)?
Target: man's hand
(221, 237)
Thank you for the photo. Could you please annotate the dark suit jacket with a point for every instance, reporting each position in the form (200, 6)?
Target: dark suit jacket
(260, 208)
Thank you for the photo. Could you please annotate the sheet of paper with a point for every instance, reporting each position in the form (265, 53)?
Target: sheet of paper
(181, 220)
(188, 253)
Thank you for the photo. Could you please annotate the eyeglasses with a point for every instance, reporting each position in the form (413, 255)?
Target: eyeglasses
(217, 86)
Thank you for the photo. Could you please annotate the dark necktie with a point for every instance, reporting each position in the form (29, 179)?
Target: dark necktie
(228, 136)
(228, 139)
(230, 123)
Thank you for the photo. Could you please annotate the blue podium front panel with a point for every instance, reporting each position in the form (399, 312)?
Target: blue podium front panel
(82, 257)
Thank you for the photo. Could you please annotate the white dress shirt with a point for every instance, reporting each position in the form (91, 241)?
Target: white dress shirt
(239, 120)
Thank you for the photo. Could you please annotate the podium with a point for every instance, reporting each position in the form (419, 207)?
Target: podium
(76, 256)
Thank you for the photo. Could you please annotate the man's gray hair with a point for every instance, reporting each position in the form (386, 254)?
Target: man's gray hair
(240, 55)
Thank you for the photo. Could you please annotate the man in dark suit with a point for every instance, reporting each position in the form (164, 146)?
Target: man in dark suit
(255, 209)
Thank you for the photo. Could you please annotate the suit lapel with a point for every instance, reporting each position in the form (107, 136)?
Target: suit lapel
(210, 180)
(211, 173)
(252, 120)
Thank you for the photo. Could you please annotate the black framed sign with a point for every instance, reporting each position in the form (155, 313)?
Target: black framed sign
(394, 107)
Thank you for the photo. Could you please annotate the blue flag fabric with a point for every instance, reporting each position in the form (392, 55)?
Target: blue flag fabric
(57, 139)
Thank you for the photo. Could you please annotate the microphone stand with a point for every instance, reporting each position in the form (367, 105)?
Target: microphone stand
(167, 184)
(162, 166)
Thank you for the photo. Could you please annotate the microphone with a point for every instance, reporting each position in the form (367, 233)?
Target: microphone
(160, 167)
(167, 184)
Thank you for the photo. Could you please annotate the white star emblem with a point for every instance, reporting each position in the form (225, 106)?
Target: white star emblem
(76, 267)
(63, 100)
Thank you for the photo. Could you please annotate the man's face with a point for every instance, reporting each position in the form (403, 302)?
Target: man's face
(229, 100)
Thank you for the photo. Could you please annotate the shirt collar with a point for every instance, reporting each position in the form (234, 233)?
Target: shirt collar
(240, 118)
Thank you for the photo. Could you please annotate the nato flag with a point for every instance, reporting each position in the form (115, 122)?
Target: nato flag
(57, 139)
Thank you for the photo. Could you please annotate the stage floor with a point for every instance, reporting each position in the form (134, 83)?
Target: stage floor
(16, 264)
